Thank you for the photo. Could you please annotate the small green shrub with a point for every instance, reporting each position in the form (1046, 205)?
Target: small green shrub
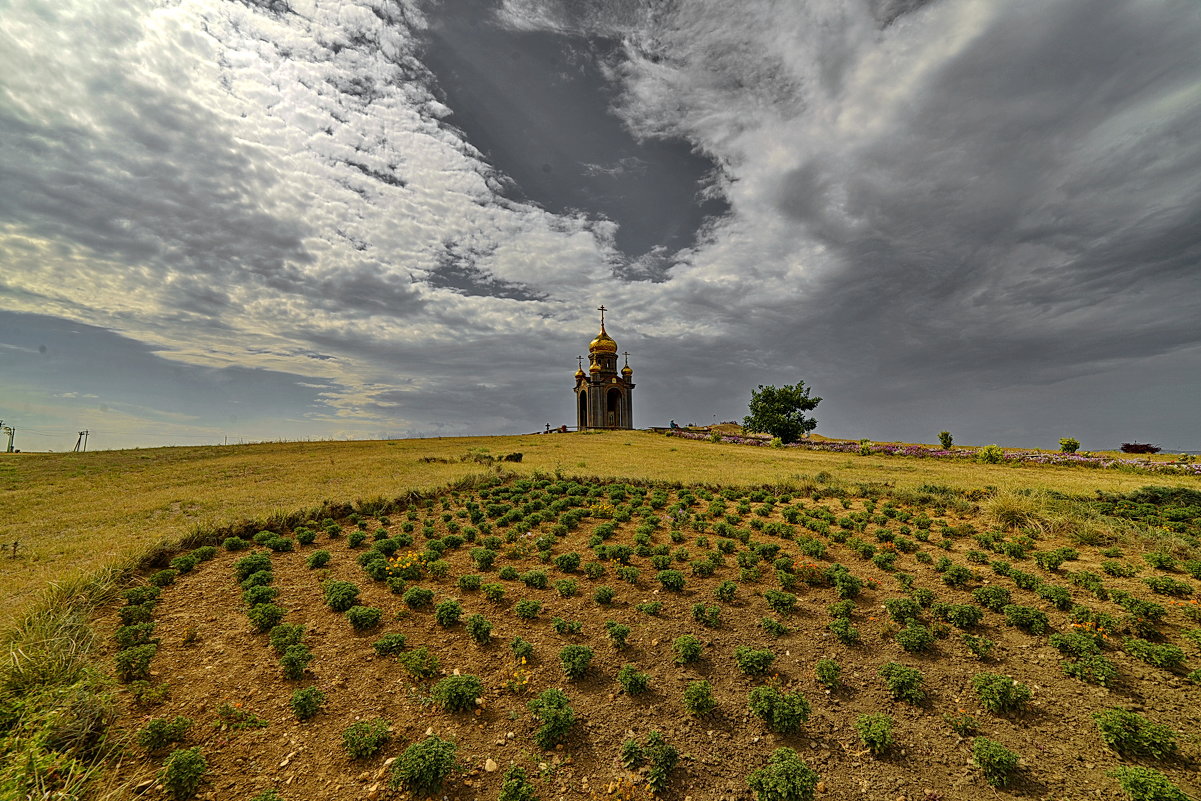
(251, 563)
(962, 723)
(1147, 784)
(521, 649)
(783, 712)
(659, 757)
(575, 660)
(964, 616)
(494, 592)
(135, 634)
(552, 710)
(163, 578)
(294, 661)
(915, 637)
(469, 582)
(875, 731)
(423, 767)
(1000, 694)
(365, 738)
(725, 591)
(617, 633)
(992, 597)
(780, 602)
(183, 772)
(448, 613)
(567, 588)
(515, 786)
(671, 579)
(773, 626)
(339, 595)
(1164, 656)
(1160, 560)
(687, 648)
(158, 733)
(652, 608)
(133, 664)
(418, 598)
(904, 683)
(527, 609)
(389, 645)
(753, 661)
(259, 595)
(633, 681)
(185, 563)
(457, 693)
(259, 578)
(479, 629)
(317, 559)
(363, 618)
(603, 595)
(1026, 618)
(998, 762)
(1131, 734)
(235, 544)
(981, 647)
(786, 777)
(698, 698)
(828, 673)
(1094, 669)
(307, 702)
(707, 614)
(420, 663)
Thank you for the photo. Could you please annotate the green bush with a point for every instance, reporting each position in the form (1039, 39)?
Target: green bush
(260, 578)
(567, 588)
(566, 627)
(535, 579)
(1068, 444)
(997, 761)
(780, 602)
(1000, 694)
(457, 693)
(158, 733)
(418, 598)
(783, 712)
(423, 767)
(235, 544)
(183, 772)
(632, 680)
(294, 661)
(285, 634)
(469, 582)
(527, 609)
(575, 660)
(698, 698)
(786, 777)
(1026, 618)
(184, 563)
(603, 595)
(252, 563)
(828, 673)
(990, 454)
(552, 710)
(1164, 656)
(992, 597)
(163, 578)
(515, 786)
(617, 633)
(448, 613)
(671, 579)
(1147, 784)
(773, 626)
(964, 616)
(904, 683)
(420, 663)
(306, 702)
(317, 559)
(389, 645)
(707, 614)
(981, 647)
(901, 610)
(259, 595)
(1131, 734)
(875, 731)
(753, 661)
(1094, 669)
(479, 629)
(133, 664)
(687, 648)
(659, 757)
(365, 738)
(521, 649)
(135, 634)
(652, 608)
(915, 637)
(725, 591)
(843, 630)
(363, 618)
(494, 592)
(339, 595)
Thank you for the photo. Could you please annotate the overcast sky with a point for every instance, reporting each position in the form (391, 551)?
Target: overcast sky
(377, 218)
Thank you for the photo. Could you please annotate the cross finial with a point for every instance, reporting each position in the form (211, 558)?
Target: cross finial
(601, 308)
(580, 361)
(626, 353)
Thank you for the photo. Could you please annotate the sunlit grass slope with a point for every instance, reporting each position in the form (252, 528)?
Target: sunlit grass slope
(73, 513)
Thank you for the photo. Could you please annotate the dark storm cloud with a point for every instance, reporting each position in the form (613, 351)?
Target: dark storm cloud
(536, 103)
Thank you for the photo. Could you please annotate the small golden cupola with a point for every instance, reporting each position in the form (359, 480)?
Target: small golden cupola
(604, 396)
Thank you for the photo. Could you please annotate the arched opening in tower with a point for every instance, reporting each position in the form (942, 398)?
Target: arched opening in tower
(583, 418)
(613, 408)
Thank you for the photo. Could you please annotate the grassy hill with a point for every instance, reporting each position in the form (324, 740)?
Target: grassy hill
(857, 587)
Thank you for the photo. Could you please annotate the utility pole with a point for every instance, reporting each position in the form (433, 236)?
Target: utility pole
(11, 433)
(83, 439)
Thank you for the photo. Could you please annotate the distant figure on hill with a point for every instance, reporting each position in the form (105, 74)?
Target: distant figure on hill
(673, 424)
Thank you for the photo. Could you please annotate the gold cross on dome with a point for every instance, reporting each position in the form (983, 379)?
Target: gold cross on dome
(601, 308)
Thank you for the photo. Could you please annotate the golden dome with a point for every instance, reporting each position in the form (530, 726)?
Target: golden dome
(603, 343)
(627, 370)
(595, 368)
(579, 373)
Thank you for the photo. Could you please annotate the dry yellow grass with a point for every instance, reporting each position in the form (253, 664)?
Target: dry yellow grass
(77, 512)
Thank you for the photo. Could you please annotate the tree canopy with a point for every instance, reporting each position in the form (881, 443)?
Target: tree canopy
(781, 411)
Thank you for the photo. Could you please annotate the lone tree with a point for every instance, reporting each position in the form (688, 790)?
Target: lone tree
(781, 412)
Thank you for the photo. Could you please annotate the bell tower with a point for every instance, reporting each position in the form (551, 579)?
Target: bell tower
(603, 395)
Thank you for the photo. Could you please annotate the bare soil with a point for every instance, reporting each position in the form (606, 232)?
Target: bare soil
(209, 655)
